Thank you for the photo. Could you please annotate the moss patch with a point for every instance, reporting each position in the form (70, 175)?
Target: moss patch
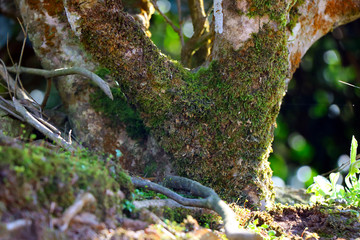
(34, 177)
(273, 8)
(294, 14)
(120, 111)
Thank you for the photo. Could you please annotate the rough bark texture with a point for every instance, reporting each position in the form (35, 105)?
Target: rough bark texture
(214, 126)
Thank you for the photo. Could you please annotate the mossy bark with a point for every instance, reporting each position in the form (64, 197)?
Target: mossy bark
(217, 123)
(214, 126)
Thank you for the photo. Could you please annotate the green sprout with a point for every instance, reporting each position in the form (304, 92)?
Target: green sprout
(328, 191)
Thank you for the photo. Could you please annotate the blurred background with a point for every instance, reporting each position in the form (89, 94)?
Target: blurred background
(318, 116)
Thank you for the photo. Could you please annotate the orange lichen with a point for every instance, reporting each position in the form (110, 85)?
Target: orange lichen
(336, 8)
(321, 24)
(53, 8)
(295, 60)
(49, 35)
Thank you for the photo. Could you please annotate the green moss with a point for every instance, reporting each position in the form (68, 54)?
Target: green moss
(120, 112)
(36, 176)
(231, 112)
(273, 8)
(294, 14)
(102, 72)
(207, 220)
(277, 10)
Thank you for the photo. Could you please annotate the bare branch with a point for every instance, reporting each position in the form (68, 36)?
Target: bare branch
(11, 84)
(17, 78)
(180, 22)
(67, 71)
(8, 107)
(198, 16)
(315, 19)
(201, 29)
(47, 93)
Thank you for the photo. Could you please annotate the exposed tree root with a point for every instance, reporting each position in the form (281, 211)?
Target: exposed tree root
(159, 203)
(209, 200)
(74, 209)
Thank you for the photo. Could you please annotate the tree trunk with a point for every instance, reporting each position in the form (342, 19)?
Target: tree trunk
(214, 125)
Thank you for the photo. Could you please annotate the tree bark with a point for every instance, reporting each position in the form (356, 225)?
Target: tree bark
(214, 126)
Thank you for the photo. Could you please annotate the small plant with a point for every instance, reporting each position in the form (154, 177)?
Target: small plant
(271, 234)
(128, 206)
(328, 191)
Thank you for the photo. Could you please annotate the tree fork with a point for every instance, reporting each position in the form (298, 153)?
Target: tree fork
(216, 125)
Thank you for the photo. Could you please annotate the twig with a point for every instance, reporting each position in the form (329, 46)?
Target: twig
(47, 93)
(349, 84)
(175, 28)
(30, 119)
(11, 84)
(5, 76)
(210, 200)
(338, 169)
(8, 49)
(15, 225)
(17, 78)
(9, 108)
(67, 71)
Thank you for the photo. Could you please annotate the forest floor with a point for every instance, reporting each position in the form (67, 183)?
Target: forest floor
(44, 198)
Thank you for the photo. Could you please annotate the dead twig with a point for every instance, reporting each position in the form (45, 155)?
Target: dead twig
(15, 225)
(209, 200)
(11, 84)
(8, 107)
(47, 93)
(30, 119)
(17, 77)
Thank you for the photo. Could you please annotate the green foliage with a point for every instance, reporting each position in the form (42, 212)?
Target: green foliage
(164, 36)
(120, 112)
(128, 206)
(102, 72)
(326, 191)
(264, 228)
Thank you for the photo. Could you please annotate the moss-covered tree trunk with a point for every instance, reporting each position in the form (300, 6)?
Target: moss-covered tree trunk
(214, 125)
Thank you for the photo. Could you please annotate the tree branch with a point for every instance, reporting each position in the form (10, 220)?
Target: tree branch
(67, 71)
(315, 19)
(210, 200)
(201, 28)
